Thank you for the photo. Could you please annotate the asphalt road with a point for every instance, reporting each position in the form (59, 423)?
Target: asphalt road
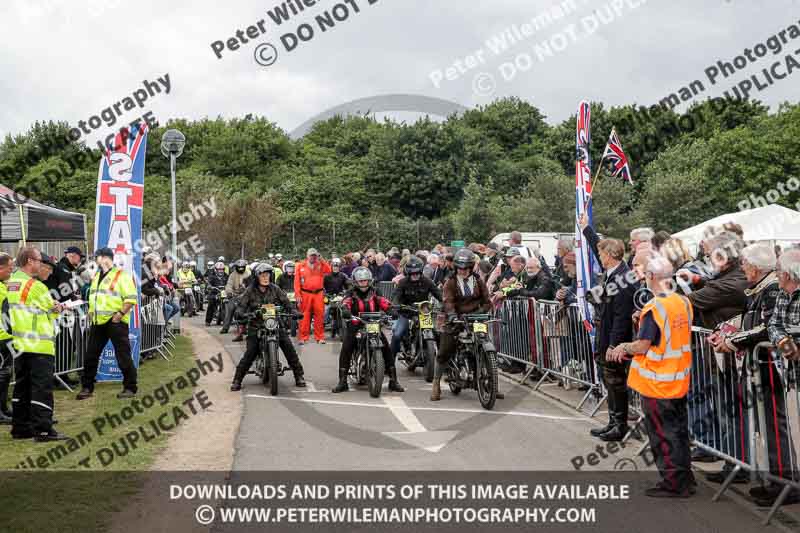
(313, 429)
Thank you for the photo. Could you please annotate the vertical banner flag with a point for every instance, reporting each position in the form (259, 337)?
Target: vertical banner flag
(118, 225)
(583, 204)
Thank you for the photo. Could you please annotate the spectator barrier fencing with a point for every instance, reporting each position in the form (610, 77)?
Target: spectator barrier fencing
(744, 409)
(72, 336)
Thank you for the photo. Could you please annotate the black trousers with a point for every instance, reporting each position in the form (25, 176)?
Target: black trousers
(33, 394)
(667, 423)
(99, 335)
(615, 379)
(211, 310)
(252, 351)
(349, 346)
(780, 448)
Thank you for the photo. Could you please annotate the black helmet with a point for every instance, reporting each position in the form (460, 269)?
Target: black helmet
(261, 268)
(465, 258)
(240, 263)
(413, 266)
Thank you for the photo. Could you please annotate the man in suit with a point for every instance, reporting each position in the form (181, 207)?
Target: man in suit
(614, 306)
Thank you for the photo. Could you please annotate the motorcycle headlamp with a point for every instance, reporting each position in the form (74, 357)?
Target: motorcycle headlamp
(270, 323)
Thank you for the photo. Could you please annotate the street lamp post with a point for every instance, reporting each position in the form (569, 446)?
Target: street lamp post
(172, 144)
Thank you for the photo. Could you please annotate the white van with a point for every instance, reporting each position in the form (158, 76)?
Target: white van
(546, 243)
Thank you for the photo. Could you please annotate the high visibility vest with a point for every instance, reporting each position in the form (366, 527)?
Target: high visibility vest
(4, 323)
(30, 310)
(110, 295)
(664, 371)
(186, 277)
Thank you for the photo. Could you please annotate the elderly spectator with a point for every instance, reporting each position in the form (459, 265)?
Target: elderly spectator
(614, 308)
(734, 228)
(565, 245)
(384, 270)
(515, 241)
(721, 299)
(638, 236)
(536, 283)
(512, 280)
(758, 262)
(781, 329)
(659, 239)
(394, 259)
(45, 275)
(432, 266)
(568, 291)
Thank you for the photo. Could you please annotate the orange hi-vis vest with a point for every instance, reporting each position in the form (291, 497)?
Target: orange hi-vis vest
(664, 371)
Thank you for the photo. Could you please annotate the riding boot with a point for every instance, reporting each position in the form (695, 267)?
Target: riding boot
(238, 376)
(436, 390)
(342, 385)
(394, 385)
(619, 416)
(5, 381)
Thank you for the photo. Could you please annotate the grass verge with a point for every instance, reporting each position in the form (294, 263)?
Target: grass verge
(72, 487)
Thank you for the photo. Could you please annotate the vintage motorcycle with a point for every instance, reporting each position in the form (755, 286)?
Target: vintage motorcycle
(420, 345)
(268, 366)
(474, 365)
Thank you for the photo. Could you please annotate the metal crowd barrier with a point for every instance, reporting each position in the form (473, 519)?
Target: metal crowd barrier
(385, 289)
(548, 338)
(744, 409)
(72, 336)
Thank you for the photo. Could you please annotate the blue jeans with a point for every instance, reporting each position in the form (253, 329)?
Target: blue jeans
(399, 331)
(170, 310)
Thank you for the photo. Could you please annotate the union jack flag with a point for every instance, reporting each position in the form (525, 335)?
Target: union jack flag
(618, 161)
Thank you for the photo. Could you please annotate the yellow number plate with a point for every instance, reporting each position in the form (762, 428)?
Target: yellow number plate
(373, 328)
(290, 295)
(479, 328)
(269, 310)
(426, 321)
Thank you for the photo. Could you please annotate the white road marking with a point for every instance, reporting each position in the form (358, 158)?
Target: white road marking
(402, 412)
(441, 409)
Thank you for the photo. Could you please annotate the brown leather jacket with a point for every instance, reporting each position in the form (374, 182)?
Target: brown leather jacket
(455, 302)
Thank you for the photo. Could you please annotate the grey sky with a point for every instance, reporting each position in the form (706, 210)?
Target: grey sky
(69, 59)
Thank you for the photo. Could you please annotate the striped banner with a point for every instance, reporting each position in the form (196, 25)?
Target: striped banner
(583, 204)
(118, 225)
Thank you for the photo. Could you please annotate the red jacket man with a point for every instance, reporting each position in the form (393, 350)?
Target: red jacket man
(309, 292)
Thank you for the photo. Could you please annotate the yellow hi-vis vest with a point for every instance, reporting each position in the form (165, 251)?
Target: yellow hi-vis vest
(664, 371)
(108, 296)
(4, 323)
(186, 277)
(30, 310)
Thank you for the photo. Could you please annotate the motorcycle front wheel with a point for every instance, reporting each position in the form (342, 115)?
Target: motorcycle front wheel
(274, 367)
(486, 378)
(376, 370)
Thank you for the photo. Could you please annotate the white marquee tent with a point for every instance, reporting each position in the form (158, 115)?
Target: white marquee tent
(774, 223)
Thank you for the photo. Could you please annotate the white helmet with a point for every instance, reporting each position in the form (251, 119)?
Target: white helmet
(221, 258)
(193, 263)
(210, 263)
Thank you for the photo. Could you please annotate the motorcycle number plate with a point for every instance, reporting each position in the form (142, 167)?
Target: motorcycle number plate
(269, 311)
(290, 295)
(426, 321)
(479, 328)
(373, 328)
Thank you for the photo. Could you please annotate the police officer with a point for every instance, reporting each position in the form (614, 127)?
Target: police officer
(261, 292)
(6, 357)
(111, 295)
(413, 288)
(660, 373)
(32, 313)
(215, 278)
